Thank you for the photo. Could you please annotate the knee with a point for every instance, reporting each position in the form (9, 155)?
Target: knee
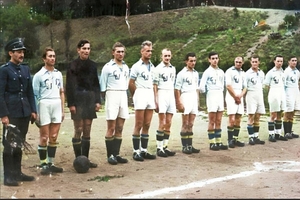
(43, 140)
(53, 138)
(146, 126)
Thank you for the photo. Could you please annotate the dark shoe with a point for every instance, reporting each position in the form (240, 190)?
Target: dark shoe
(93, 165)
(147, 155)
(272, 138)
(121, 160)
(195, 150)
(137, 157)
(214, 147)
(9, 181)
(258, 141)
(45, 170)
(231, 143)
(294, 135)
(251, 141)
(288, 136)
(112, 160)
(222, 146)
(55, 169)
(24, 177)
(169, 152)
(239, 143)
(280, 137)
(187, 150)
(161, 153)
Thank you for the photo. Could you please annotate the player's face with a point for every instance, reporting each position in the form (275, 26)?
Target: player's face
(146, 52)
(254, 63)
(214, 60)
(278, 62)
(119, 53)
(50, 59)
(293, 62)
(238, 62)
(166, 57)
(84, 51)
(191, 62)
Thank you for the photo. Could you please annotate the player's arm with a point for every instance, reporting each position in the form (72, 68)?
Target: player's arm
(132, 86)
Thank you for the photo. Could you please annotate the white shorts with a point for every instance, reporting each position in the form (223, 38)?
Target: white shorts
(232, 107)
(50, 111)
(292, 99)
(255, 102)
(166, 101)
(116, 105)
(276, 100)
(143, 99)
(190, 102)
(215, 100)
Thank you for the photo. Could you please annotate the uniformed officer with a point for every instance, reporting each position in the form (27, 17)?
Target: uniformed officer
(17, 107)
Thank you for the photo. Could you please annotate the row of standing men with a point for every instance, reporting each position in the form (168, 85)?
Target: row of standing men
(41, 101)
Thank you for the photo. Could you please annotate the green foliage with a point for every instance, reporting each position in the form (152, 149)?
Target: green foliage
(235, 13)
(290, 21)
(18, 20)
(104, 178)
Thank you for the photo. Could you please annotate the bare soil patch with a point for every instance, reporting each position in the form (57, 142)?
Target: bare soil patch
(209, 174)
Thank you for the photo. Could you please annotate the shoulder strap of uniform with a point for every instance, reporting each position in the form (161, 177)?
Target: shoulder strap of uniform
(6, 64)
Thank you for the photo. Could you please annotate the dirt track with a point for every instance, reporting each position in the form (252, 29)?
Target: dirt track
(261, 171)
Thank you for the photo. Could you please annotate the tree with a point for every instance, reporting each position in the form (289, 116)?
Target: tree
(17, 21)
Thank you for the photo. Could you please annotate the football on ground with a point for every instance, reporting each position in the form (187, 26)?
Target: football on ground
(81, 164)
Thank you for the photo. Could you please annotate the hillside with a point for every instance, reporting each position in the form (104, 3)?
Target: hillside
(199, 29)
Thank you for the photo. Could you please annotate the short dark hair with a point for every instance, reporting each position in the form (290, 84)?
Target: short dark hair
(82, 42)
(254, 56)
(190, 54)
(278, 56)
(46, 50)
(212, 54)
(292, 57)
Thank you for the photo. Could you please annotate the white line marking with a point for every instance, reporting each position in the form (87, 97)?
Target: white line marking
(259, 168)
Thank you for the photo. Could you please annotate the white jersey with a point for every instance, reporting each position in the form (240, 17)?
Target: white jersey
(235, 78)
(114, 77)
(254, 80)
(47, 84)
(292, 77)
(275, 78)
(212, 79)
(164, 76)
(142, 74)
(187, 81)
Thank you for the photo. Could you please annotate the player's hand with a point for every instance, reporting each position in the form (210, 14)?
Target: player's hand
(180, 107)
(97, 107)
(237, 100)
(72, 109)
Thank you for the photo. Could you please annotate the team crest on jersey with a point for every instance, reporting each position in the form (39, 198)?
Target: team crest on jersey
(145, 76)
(48, 84)
(236, 79)
(212, 80)
(253, 81)
(116, 74)
(293, 79)
(276, 80)
(188, 80)
(164, 77)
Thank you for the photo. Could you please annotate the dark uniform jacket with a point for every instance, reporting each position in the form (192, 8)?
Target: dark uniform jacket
(82, 76)
(16, 93)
